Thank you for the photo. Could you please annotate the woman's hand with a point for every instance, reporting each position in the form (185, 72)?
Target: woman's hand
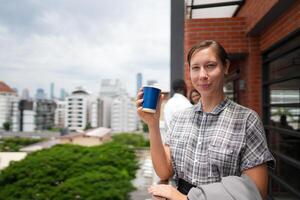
(148, 118)
(166, 191)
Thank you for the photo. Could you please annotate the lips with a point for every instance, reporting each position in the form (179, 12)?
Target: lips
(205, 86)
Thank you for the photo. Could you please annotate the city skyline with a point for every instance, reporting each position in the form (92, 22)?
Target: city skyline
(57, 92)
(80, 44)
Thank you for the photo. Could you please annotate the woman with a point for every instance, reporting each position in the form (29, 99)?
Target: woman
(214, 139)
(194, 97)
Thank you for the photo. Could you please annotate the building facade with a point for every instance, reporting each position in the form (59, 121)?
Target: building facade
(123, 114)
(139, 81)
(96, 112)
(109, 90)
(27, 116)
(77, 110)
(45, 112)
(60, 114)
(8, 107)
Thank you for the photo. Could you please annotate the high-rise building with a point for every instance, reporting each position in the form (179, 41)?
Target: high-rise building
(27, 116)
(40, 94)
(95, 111)
(151, 82)
(60, 114)
(45, 110)
(25, 94)
(139, 81)
(77, 110)
(109, 90)
(52, 95)
(63, 94)
(8, 106)
(123, 114)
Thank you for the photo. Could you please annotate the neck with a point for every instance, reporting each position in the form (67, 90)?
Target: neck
(210, 102)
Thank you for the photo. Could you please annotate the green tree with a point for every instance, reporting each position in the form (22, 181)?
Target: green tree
(6, 126)
(131, 139)
(72, 172)
(15, 144)
(88, 126)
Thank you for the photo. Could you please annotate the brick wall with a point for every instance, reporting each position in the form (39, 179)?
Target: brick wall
(254, 10)
(252, 76)
(282, 26)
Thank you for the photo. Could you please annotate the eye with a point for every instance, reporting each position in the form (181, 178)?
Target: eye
(195, 68)
(211, 65)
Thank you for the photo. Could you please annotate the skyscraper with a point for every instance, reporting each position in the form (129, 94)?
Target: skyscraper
(40, 94)
(25, 94)
(139, 81)
(52, 91)
(63, 94)
(151, 82)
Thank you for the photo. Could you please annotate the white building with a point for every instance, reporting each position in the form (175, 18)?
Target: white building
(29, 120)
(77, 110)
(60, 114)
(82, 109)
(109, 90)
(27, 116)
(123, 114)
(96, 111)
(8, 106)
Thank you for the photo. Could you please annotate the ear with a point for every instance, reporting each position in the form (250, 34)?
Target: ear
(226, 69)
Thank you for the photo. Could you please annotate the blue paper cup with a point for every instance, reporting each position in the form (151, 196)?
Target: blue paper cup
(151, 95)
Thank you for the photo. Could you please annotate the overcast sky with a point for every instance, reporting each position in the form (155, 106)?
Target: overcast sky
(79, 42)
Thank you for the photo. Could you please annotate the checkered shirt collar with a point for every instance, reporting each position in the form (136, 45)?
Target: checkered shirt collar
(217, 110)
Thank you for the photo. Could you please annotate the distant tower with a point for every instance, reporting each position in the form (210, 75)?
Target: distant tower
(25, 94)
(151, 82)
(52, 91)
(139, 81)
(63, 94)
(40, 94)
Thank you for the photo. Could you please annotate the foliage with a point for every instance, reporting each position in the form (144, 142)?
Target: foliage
(6, 126)
(145, 128)
(88, 126)
(54, 129)
(73, 172)
(131, 139)
(15, 144)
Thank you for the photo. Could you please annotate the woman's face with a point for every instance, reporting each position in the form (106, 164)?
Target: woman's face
(207, 72)
(195, 96)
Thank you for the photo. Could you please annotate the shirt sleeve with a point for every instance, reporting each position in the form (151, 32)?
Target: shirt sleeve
(255, 150)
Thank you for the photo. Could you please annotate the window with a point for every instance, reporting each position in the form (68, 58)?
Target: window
(281, 109)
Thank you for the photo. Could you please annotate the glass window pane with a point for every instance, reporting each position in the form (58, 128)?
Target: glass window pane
(280, 193)
(285, 66)
(286, 117)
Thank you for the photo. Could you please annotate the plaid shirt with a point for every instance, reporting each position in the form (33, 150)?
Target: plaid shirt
(208, 146)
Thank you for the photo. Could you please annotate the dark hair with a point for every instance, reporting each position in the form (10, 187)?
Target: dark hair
(219, 49)
(179, 86)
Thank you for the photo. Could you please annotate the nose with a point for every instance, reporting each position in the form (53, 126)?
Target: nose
(202, 73)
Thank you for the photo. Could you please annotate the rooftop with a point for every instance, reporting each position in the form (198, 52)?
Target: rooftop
(196, 9)
(5, 88)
